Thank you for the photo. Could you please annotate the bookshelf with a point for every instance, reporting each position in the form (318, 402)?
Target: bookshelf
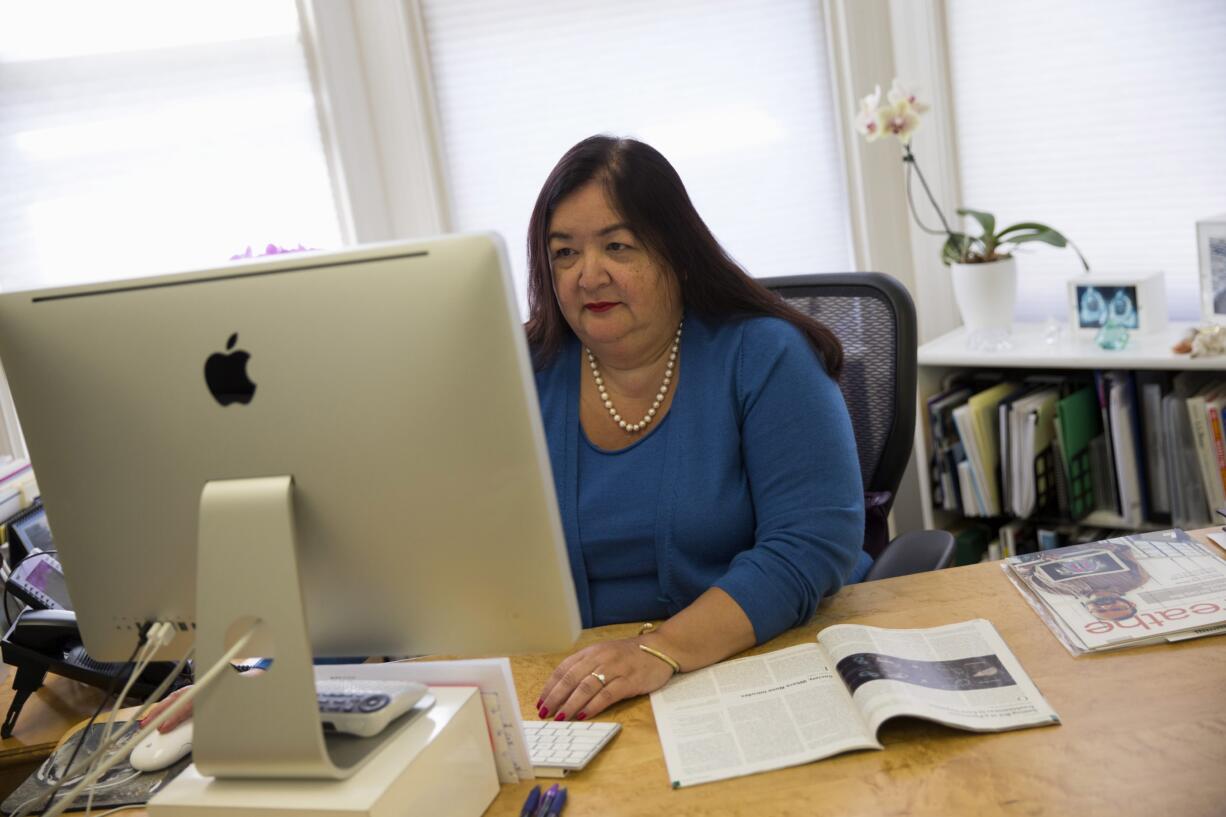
(1031, 353)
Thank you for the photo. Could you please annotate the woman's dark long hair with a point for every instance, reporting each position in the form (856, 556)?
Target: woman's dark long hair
(649, 195)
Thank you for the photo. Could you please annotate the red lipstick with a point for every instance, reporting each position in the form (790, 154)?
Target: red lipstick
(599, 306)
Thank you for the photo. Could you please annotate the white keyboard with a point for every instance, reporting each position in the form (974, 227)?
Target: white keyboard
(559, 747)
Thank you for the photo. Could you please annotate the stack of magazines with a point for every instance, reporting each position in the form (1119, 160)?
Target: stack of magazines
(1140, 589)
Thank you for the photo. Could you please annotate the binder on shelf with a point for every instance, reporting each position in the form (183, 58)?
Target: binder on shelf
(1033, 423)
(1152, 387)
(1189, 507)
(1079, 423)
(1102, 388)
(1010, 423)
(985, 452)
(1124, 436)
(947, 450)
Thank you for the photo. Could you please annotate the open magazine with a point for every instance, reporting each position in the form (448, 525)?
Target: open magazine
(1143, 588)
(815, 700)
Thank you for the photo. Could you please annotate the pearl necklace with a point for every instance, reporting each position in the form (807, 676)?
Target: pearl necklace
(632, 428)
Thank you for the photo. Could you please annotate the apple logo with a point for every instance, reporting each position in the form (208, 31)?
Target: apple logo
(226, 375)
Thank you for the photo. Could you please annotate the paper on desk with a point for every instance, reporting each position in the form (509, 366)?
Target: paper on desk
(1219, 538)
(493, 677)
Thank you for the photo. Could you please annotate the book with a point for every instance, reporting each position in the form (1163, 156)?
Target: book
(1214, 406)
(1189, 503)
(829, 696)
(1198, 406)
(1143, 588)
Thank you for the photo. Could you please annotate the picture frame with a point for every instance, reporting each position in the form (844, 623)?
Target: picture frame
(1136, 300)
(1211, 252)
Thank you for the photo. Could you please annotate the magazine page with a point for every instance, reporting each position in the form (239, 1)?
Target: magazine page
(1130, 590)
(755, 714)
(960, 675)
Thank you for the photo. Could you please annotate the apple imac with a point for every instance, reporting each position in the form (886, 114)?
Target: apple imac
(353, 438)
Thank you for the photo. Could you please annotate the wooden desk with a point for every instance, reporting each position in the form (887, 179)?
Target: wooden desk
(1143, 733)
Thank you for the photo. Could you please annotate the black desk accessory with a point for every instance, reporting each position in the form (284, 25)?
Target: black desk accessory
(42, 641)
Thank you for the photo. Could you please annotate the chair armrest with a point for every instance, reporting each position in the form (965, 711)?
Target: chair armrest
(914, 552)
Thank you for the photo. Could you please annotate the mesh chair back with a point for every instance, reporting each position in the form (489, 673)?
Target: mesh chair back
(874, 318)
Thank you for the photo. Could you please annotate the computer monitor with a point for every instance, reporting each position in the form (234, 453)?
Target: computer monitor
(391, 382)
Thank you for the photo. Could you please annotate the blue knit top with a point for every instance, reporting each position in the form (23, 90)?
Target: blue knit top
(757, 485)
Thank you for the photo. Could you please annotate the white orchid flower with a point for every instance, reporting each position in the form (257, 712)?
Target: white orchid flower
(900, 119)
(899, 92)
(868, 118)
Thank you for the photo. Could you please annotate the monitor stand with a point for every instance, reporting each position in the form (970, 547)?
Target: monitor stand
(264, 725)
(258, 742)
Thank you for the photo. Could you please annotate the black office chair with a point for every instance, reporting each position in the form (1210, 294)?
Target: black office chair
(873, 316)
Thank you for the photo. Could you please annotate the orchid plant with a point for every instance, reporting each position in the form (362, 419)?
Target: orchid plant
(899, 116)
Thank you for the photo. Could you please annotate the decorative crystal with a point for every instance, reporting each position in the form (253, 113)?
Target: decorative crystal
(1113, 336)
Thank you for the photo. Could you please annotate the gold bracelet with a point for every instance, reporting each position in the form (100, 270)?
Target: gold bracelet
(676, 667)
(649, 627)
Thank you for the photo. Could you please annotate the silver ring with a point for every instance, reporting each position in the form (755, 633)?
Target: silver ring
(599, 676)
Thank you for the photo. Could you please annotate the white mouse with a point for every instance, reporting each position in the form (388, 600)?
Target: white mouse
(158, 750)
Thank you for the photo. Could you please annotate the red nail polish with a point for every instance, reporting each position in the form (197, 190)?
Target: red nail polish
(561, 716)
(581, 716)
(539, 703)
(544, 713)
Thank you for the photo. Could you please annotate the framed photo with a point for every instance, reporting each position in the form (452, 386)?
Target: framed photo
(1136, 302)
(1211, 242)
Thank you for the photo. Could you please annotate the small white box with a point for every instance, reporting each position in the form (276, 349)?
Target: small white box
(441, 764)
(1137, 301)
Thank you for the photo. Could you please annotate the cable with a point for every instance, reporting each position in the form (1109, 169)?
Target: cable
(153, 697)
(179, 705)
(159, 635)
(118, 809)
(110, 689)
(5, 573)
(102, 749)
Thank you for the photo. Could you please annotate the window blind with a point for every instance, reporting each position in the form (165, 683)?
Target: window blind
(736, 94)
(1105, 119)
(138, 136)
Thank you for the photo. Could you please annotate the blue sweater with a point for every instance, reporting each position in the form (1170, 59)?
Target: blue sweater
(760, 492)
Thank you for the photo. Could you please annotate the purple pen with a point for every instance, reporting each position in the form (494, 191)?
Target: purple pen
(559, 803)
(546, 801)
(534, 797)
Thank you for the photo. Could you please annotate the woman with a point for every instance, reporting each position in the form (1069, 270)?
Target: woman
(703, 456)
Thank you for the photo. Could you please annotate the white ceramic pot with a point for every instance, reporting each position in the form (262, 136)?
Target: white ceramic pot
(986, 293)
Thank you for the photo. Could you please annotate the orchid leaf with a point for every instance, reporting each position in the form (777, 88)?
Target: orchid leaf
(1031, 226)
(955, 247)
(987, 221)
(1047, 237)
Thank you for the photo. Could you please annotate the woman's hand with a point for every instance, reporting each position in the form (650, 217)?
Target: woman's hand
(184, 713)
(164, 704)
(574, 692)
